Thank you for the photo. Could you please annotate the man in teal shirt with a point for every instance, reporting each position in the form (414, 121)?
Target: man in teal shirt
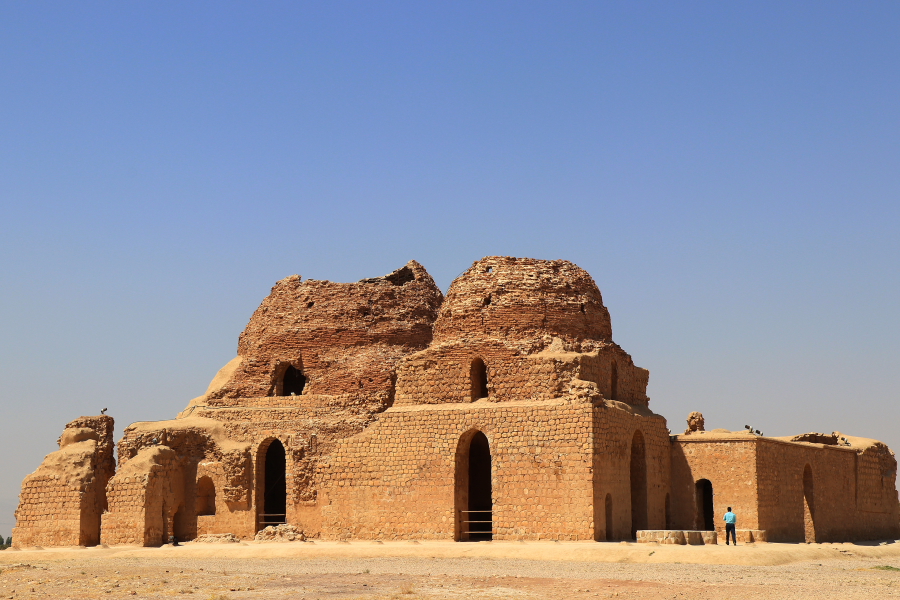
(730, 525)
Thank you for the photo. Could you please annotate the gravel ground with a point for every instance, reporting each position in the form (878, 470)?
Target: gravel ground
(436, 571)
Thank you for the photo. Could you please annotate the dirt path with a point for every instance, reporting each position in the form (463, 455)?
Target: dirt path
(443, 571)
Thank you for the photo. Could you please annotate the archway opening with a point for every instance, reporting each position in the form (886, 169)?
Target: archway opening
(274, 486)
(638, 484)
(474, 489)
(206, 496)
(614, 382)
(608, 508)
(706, 516)
(479, 378)
(809, 506)
(293, 381)
(183, 527)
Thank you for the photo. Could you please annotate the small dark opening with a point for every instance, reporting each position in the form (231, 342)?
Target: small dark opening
(310, 304)
(609, 518)
(487, 301)
(705, 509)
(479, 378)
(490, 269)
(480, 502)
(293, 381)
(582, 308)
(275, 485)
(401, 276)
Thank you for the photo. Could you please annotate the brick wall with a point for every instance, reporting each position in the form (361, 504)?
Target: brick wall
(61, 502)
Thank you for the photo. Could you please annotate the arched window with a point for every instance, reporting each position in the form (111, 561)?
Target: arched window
(479, 378)
(292, 382)
(206, 496)
(638, 484)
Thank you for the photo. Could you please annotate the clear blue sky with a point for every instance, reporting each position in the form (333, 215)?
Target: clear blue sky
(727, 172)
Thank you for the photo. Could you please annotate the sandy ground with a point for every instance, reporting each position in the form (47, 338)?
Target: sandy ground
(443, 570)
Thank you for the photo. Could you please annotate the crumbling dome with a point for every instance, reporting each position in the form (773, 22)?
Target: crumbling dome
(524, 300)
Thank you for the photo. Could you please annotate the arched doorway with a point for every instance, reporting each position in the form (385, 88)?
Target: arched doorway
(293, 381)
(272, 506)
(706, 516)
(479, 378)
(809, 506)
(474, 502)
(608, 508)
(638, 484)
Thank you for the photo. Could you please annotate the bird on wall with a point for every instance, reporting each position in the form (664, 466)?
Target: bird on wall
(103, 412)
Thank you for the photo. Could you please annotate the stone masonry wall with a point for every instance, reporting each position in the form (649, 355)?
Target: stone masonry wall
(396, 479)
(729, 464)
(61, 502)
(844, 504)
(614, 428)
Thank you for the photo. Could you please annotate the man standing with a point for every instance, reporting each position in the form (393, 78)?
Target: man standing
(730, 525)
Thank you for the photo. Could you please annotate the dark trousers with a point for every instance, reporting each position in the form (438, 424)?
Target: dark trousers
(730, 530)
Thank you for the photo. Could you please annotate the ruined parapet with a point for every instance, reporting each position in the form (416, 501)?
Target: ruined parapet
(313, 337)
(520, 328)
(173, 475)
(144, 499)
(696, 423)
(61, 502)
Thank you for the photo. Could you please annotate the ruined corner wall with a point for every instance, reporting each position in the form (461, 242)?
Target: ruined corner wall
(631, 466)
(144, 498)
(345, 338)
(848, 494)
(61, 502)
(796, 492)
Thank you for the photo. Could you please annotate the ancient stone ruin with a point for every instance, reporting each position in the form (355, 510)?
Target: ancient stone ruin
(382, 410)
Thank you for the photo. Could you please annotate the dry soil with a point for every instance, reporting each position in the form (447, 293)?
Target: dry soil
(441, 570)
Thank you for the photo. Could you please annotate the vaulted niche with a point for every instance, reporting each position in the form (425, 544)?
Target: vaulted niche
(206, 496)
(293, 381)
(479, 376)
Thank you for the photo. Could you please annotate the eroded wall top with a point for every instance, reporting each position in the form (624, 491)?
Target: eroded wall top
(523, 300)
(343, 337)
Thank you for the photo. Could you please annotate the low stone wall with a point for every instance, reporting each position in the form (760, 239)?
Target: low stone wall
(676, 536)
